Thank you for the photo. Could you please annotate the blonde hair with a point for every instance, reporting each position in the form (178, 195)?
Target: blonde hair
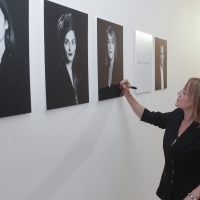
(193, 88)
(110, 31)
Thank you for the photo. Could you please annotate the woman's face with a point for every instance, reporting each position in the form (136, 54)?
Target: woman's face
(3, 26)
(183, 100)
(70, 45)
(111, 47)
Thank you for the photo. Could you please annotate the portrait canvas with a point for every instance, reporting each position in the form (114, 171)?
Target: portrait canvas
(160, 64)
(110, 59)
(66, 56)
(14, 58)
(143, 62)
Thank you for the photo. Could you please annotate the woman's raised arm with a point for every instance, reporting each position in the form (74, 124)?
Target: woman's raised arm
(136, 106)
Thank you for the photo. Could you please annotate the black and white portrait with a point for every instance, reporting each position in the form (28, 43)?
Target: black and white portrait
(66, 56)
(160, 64)
(110, 59)
(14, 58)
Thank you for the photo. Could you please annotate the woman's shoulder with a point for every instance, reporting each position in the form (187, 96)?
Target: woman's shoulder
(12, 68)
(59, 67)
(178, 111)
(59, 70)
(175, 111)
(160, 119)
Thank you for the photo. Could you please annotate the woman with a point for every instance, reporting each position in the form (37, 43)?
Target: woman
(181, 175)
(110, 72)
(13, 96)
(67, 76)
(111, 53)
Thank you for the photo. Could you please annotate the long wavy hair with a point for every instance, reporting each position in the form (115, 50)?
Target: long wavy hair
(9, 34)
(111, 32)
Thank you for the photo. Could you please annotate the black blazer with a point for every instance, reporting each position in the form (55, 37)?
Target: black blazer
(14, 86)
(60, 92)
(181, 172)
(106, 92)
(110, 92)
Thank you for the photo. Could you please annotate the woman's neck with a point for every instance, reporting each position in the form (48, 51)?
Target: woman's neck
(110, 72)
(69, 69)
(111, 63)
(2, 49)
(188, 115)
(69, 65)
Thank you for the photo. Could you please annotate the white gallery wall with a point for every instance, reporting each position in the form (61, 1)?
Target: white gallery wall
(98, 150)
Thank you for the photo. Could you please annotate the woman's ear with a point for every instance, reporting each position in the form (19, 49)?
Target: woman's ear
(6, 24)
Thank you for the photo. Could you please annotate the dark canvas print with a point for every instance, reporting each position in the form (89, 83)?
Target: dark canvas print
(14, 58)
(160, 64)
(66, 56)
(110, 59)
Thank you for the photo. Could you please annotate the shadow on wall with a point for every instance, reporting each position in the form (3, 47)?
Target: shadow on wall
(79, 153)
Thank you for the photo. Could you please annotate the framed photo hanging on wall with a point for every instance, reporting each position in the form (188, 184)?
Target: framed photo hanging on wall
(160, 64)
(14, 58)
(66, 56)
(110, 59)
(143, 61)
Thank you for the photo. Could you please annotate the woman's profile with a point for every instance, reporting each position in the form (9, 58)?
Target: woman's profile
(67, 76)
(109, 73)
(13, 97)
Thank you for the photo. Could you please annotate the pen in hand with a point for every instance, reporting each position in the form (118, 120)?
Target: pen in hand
(132, 87)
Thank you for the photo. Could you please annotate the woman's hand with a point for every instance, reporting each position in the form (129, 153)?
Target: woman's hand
(123, 85)
(195, 193)
(187, 198)
(137, 108)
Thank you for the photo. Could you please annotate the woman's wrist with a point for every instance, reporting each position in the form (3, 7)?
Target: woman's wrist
(127, 93)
